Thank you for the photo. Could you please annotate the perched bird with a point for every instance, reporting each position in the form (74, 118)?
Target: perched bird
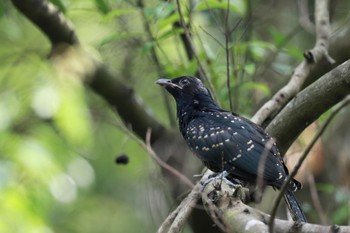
(227, 142)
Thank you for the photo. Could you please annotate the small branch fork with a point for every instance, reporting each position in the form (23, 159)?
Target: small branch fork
(312, 58)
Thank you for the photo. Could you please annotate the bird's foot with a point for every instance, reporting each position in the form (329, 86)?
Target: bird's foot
(218, 178)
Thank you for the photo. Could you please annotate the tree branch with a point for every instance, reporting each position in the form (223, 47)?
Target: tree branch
(100, 78)
(302, 71)
(300, 112)
(204, 74)
(176, 221)
(237, 217)
(49, 19)
(234, 216)
(307, 150)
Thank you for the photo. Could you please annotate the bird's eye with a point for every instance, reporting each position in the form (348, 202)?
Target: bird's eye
(184, 82)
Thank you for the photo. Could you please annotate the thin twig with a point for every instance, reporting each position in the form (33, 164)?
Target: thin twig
(157, 63)
(315, 198)
(304, 16)
(147, 146)
(302, 71)
(286, 184)
(227, 51)
(202, 70)
(175, 222)
(163, 164)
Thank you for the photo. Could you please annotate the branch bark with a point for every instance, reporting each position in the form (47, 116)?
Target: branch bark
(302, 71)
(49, 19)
(235, 216)
(100, 78)
(301, 111)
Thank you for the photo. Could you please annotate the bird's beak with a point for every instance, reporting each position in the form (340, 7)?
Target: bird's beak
(167, 83)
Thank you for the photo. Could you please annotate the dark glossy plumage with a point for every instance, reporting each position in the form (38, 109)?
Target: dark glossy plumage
(224, 141)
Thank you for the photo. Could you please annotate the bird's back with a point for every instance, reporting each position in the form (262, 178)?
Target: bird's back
(224, 141)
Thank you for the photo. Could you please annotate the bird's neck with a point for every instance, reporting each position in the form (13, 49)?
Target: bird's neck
(194, 107)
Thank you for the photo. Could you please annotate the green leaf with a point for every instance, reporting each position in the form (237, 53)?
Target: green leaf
(168, 21)
(341, 215)
(160, 11)
(294, 52)
(325, 187)
(118, 36)
(117, 13)
(258, 48)
(237, 6)
(59, 4)
(103, 6)
(170, 33)
(257, 86)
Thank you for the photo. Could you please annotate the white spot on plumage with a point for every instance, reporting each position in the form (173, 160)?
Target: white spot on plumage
(251, 147)
(250, 142)
(235, 133)
(280, 176)
(226, 140)
(205, 136)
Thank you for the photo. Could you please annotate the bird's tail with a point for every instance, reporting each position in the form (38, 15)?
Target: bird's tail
(294, 206)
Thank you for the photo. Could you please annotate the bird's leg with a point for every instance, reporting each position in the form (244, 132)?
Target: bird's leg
(222, 178)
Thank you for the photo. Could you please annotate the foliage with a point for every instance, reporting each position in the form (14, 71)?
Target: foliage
(58, 140)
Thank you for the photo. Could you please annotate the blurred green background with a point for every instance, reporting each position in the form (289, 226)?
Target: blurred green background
(59, 139)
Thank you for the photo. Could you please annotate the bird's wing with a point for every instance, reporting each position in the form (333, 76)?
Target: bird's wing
(227, 142)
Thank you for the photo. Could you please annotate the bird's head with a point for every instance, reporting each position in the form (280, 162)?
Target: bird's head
(190, 95)
(185, 87)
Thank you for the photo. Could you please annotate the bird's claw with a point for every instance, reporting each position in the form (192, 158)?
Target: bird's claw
(221, 177)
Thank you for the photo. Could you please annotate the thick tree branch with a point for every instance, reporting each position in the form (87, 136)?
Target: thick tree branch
(309, 105)
(302, 71)
(128, 105)
(234, 216)
(100, 78)
(303, 157)
(49, 19)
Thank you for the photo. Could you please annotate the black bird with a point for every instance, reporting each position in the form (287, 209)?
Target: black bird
(227, 142)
